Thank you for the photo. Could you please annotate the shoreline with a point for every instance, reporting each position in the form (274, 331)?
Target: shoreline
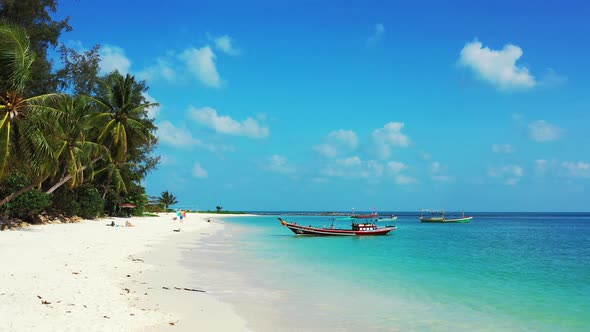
(89, 276)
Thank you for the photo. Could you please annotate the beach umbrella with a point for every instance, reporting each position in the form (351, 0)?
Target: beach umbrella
(128, 206)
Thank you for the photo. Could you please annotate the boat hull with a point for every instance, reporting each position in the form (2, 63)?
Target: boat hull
(308, 230)
(444, 220)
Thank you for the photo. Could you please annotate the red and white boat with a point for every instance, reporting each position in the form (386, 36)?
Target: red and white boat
(359, 229)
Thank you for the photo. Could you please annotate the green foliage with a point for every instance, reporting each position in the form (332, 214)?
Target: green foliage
(16, 58)
(137, 196)
(154, 208)
(91, 202)
(167, 199)
(84, 201)
(65, 201)
(79, 74)
(35, 18)
(25, 206)
(100, 145)
(223, 212)
(29, 205)
(219, 208)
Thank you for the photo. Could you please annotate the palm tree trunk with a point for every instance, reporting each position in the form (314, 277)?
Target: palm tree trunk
(17, 193)
(67, 178)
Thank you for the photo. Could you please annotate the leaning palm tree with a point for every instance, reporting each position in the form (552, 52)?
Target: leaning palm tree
(23, 126)
(75, 150)
(167, 199)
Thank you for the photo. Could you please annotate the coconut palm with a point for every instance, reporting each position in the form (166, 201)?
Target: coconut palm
(75, 150)
(122, 119)
(167, 199)
(118, 121)
(23, 129)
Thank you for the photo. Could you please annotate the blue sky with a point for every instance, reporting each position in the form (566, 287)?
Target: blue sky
(308, 105)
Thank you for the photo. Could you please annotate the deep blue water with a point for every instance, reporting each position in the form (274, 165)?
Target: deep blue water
(500, 272)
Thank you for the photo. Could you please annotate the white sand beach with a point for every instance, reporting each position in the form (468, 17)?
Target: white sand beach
(91, 277)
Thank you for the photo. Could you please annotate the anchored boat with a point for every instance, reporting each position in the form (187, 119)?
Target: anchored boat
(440, 217)
(357, 229)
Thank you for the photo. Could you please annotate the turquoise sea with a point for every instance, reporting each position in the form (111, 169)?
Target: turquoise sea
(500, 272)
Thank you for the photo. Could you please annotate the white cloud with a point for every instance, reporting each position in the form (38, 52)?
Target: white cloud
(337, 141)
(497, 67)
(389, 136)
(552, 78)
(511, 182)
(351, 161)
(226, 125)
(541, 131)
(170, 134)
(577, 169)
(395, 167)
(180, 137)
(152, 111)
(343, 137)
(354, 167)
(279, 164)
(377, 35)
(502, 148)
(326, 150)
(443, 178)
(113, 58)
(510, 174)
(199, 171)
(404, 179)
(201, 63)
(161, 70)
(435, 167)
(225, 44)
(436, 170)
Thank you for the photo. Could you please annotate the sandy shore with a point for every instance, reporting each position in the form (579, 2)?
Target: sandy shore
(87, 276)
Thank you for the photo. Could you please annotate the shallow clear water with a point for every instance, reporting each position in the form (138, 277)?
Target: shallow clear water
(520, 272)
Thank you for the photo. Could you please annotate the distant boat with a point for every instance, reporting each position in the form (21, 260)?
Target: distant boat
(360, 229)
(373, 216)
(440, 217)
(387, 218)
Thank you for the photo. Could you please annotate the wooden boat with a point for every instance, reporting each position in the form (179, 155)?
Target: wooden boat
(359, 229)
(387, 218)
(439, 217)
(373, 216)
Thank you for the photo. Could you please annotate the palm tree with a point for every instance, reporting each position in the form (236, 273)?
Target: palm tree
(74, 148)
(23, 129)
(219, 208)
(167, 199)
(122, 119)
(119, 122)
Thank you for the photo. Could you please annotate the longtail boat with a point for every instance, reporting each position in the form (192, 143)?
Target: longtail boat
(359, 229)
(439, 217)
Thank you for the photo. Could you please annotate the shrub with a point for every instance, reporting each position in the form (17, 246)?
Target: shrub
(65, 201)
(29, 205)
(154, 208)
(25, 206)
(91, 202)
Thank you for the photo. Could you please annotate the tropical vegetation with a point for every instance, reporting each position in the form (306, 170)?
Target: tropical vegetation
(72, 142)
(167, 199)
